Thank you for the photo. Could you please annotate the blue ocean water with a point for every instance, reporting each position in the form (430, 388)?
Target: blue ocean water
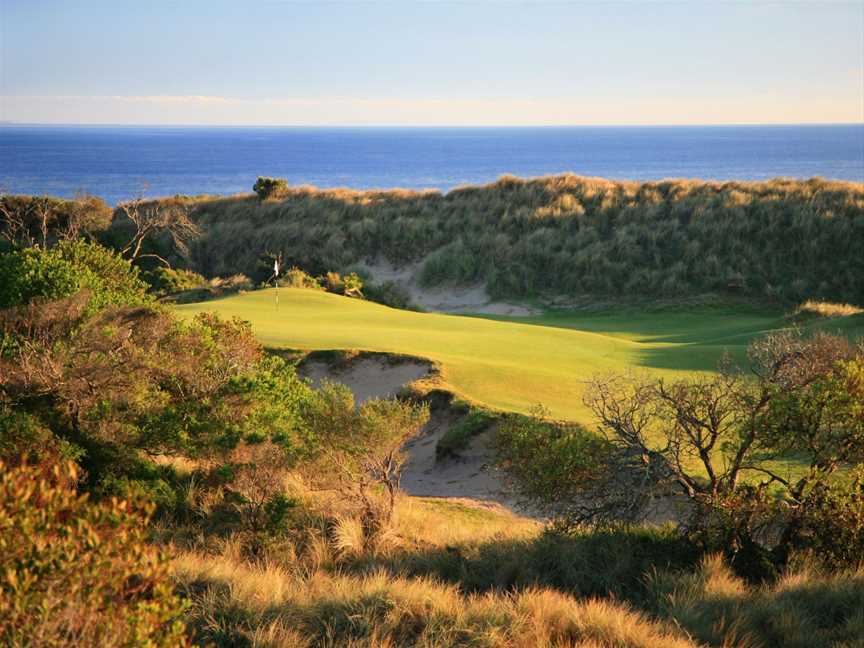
(116, 163)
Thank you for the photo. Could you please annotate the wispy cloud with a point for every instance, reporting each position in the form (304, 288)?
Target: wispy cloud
(171, 99)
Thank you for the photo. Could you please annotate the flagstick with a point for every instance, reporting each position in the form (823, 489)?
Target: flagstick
(276, 279)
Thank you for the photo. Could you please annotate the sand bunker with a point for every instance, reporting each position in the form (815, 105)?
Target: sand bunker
(367, 378)
(452, 299)
(469, 477)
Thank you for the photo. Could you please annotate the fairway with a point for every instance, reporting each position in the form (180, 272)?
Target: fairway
(504, 364)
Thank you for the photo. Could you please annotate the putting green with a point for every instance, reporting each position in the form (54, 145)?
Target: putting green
(504, 364)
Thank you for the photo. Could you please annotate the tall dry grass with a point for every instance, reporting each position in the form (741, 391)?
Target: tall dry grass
(454, 573)
(814, 308)
(269, 606)
(805, 608)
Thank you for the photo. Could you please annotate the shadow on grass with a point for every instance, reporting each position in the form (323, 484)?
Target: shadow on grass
(584, 564)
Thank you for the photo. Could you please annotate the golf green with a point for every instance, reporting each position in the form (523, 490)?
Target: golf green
(506, 364)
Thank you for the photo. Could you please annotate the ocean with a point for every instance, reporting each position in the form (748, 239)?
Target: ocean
(118, 163)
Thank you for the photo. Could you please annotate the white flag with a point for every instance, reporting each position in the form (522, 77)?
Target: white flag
(276, 268)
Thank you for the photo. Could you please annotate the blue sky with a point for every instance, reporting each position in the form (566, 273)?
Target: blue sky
(417, 63)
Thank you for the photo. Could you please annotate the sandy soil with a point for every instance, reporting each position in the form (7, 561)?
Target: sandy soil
(368, 377)
(453, 299)
(468, 478)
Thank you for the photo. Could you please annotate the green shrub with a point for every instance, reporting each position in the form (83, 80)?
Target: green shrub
(551, 462)
(390, 294)
(24, 438)
(270, 187)
(34, 273)
(74, 573)
(170, 281)
(126, 384)
(71, 266)
(459, 435)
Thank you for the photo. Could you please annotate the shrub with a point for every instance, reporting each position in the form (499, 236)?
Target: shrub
(459, 435)
(24, 438)
(130, 383)
(360, 449)
(350, 285)
(270, 187)
(550, 463)
(36, 273)
(74, 573)
(708, 445)
(297, 278)
(43, 220)
(390, 294)
(168, 281)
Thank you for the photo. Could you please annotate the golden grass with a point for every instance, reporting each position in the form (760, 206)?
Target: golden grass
(269, 606)
(816, 308)
(329, 587)
(805, 608)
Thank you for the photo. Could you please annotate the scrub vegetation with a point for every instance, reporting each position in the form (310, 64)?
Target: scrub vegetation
(167, 479)
(781, 240)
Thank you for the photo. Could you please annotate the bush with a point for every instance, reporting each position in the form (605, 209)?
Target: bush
(460, 434)
(74, 573)
(350, 285)
(26, 221)
(390, 294)
(270, 187)
(360, 450)
(169, 281)
(71, 266)
(34, 273)
(130, 383)
(297, 278)
(551, 463)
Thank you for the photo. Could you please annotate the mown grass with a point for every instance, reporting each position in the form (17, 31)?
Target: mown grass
(505, 364)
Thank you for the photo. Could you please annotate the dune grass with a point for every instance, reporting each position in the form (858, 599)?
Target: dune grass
(508, 364)
(458, 576)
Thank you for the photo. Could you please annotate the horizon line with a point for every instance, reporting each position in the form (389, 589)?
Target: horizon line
(13, 123)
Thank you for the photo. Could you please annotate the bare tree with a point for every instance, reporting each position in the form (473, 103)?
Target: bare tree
(709, 450)
(13, 223)
(82, 216)
(714, 442)
(151, 218)
(26, 221)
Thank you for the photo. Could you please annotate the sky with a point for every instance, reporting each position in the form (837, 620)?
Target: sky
(492, 62)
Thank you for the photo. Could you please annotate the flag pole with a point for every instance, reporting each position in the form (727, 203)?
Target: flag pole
(276, 280)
